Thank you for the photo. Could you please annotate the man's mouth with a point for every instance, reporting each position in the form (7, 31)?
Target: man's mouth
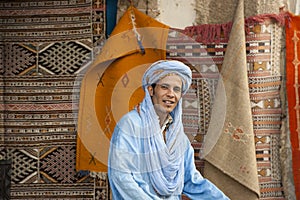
(168, 102)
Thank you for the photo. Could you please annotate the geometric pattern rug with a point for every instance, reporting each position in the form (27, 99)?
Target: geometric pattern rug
(263, 46)
(5, 174)
(45, 48)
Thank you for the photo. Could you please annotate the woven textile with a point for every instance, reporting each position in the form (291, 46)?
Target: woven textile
(293, 92)
(40, 84)
(229, 143)
(45, 46)
(54, 20)
(5, 174)
(263, 46)
(40, 138)
(112, 86)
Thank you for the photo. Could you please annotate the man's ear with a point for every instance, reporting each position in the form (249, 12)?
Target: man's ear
(150, 90)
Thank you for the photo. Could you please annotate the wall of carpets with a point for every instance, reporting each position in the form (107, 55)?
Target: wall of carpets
(45, 46)
(263, 44)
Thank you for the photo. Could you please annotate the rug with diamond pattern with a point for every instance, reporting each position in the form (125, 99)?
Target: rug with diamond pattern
(45, 48)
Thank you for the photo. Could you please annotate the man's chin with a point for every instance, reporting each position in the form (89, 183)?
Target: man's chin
(169, 109)
(164, 109)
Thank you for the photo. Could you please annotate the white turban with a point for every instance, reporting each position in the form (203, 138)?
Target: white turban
(162, 68)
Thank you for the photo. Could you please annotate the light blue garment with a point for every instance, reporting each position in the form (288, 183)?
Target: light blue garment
(164, 159)
(142, 165)
(129, 174)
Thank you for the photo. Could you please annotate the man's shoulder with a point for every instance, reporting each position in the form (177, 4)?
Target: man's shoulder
(130, 117)
(133, 114)
(130, 124)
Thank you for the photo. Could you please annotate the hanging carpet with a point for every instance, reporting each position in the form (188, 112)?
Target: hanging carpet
(229, 147)
(293, 92)
(263, 47)
(112, 84)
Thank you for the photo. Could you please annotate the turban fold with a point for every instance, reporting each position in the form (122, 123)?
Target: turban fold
(162, 68)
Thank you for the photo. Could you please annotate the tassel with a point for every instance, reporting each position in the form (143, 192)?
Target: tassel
(214, 33)
(137, 35)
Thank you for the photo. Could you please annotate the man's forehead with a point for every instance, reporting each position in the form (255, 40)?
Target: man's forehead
(171, 80)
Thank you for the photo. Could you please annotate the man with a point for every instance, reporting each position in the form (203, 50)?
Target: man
(150, 156)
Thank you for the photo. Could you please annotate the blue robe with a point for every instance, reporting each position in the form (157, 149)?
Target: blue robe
(126, 167)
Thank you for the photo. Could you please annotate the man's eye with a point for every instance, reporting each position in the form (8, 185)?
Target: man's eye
(164, 87)
(177, 89)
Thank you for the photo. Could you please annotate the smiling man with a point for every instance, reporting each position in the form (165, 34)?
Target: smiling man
(150, 156)
(165, 95)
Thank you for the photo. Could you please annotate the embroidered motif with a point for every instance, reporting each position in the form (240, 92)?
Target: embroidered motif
(244, 169)
(237, 133)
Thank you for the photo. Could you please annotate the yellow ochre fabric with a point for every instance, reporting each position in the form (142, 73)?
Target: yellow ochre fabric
(112, 85)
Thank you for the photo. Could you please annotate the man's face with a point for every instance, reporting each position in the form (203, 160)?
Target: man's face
(166, 94)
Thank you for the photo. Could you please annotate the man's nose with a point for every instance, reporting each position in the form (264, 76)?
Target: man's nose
(170, 92)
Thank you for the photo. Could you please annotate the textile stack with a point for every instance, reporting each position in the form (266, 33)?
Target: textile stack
(64, 85)
(263, 47)
(45, 47)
